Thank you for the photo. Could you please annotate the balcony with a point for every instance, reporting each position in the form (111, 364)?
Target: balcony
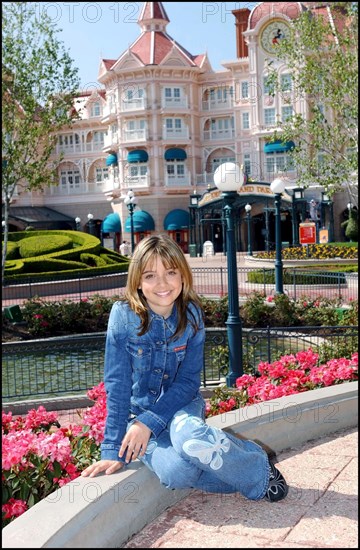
(111, 140)
(175, 102)
(134, 104)
(203, 180)
(68, 149)
(173, 180)
(94, 146)
(109, 114)
(137, 182)
(217, 104)
(214, 135)
(176, 133)
(135, 135)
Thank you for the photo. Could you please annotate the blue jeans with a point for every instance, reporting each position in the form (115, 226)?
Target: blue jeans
(191, 454)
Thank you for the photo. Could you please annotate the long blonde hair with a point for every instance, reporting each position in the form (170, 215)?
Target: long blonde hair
(172, 257)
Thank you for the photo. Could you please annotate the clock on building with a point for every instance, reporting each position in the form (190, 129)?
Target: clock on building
(272, 33)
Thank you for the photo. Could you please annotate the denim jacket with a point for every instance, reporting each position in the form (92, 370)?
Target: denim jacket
(150, 376)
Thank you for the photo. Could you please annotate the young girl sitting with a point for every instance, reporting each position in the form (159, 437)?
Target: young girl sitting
(155, 412)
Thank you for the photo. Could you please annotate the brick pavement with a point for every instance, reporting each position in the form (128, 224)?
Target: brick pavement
(320, 511)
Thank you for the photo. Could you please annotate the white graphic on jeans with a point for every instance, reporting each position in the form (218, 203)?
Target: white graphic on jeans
(204, 450)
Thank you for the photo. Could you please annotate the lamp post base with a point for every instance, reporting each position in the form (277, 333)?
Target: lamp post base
(234, 332)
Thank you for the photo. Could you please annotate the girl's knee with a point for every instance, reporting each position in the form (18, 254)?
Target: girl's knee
(184, 427)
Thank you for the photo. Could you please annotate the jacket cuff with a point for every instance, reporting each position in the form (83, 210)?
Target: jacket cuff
(108, 452)
(152, 421)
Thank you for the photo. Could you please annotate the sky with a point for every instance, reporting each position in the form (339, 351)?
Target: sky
(94, 30)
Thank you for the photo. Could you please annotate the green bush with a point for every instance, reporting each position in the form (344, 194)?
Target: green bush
(43, 245)
(12, 251)
(93, 260)
(313, 251)
(46, 253)
(295, 276)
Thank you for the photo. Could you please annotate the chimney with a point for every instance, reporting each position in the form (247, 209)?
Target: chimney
(241, 23)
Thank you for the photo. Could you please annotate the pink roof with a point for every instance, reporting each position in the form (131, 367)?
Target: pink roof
(291, 10)
(153, 10)
(154, 44)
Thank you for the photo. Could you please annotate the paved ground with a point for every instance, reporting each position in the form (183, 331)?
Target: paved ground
(320, 511)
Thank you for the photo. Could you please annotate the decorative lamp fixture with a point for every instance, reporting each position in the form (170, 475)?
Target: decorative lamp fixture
(248, 219)
(298, 194)
(277, 187)
(229, 177)
(131, 201)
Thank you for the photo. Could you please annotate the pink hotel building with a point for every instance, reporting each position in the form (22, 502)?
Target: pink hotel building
(161, 122)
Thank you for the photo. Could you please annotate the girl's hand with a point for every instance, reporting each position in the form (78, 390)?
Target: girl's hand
(109, 466)
(135, 441)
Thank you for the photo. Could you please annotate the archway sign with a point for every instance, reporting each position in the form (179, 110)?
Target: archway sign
(253, 188)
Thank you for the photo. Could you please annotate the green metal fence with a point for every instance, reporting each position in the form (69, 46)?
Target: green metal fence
(73, 364)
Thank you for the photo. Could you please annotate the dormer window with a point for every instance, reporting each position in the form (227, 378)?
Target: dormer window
(95, 109)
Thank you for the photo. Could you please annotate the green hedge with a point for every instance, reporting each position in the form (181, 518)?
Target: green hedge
(267, 276)
(45, 253)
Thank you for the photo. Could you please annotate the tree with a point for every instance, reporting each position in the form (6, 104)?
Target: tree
(351, 225)
(39, 84)
(321, 53)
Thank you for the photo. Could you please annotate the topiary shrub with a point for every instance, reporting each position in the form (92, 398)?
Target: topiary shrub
(41, 245)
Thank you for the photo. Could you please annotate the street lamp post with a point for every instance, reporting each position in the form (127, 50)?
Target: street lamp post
(228, 177)
(248, 219)
(78, 221)
(277, 187)
(90, 218)
(131, 201)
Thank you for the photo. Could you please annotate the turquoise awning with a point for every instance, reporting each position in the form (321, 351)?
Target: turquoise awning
(175, 154)
(111, 224)
(138, 156)
(176, 219)
(111, 159)
(143, 221)
(279, 146)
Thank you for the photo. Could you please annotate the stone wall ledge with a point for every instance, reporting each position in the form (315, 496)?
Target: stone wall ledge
(104, 512)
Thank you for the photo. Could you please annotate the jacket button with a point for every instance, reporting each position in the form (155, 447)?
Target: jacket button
(140, 351)
(166, 376)
(159, 343)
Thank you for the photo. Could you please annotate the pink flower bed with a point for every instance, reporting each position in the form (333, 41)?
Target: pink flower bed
(39, 455)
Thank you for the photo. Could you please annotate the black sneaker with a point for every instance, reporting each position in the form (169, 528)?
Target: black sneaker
(278, 487)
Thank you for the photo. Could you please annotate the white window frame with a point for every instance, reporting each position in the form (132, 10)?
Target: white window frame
(244, 86)
(270, 116)
(245, 120)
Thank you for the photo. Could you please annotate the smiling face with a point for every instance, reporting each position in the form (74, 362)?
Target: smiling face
(161, 286)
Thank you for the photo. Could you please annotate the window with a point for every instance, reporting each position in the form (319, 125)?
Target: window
(221, 160)
(279, 163)
(172, 93)
(136, 124)
(244, 90)
(247, 164)
(269, 117)
(268, 86)
(286, 113)
(99, 137)
(95, 109)
(246, 121)
(102, 174)
(138, 170)
(286, 82)
(173, 123)
(175, 169)
(69, 140)
(134, 93)
(69, 179)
